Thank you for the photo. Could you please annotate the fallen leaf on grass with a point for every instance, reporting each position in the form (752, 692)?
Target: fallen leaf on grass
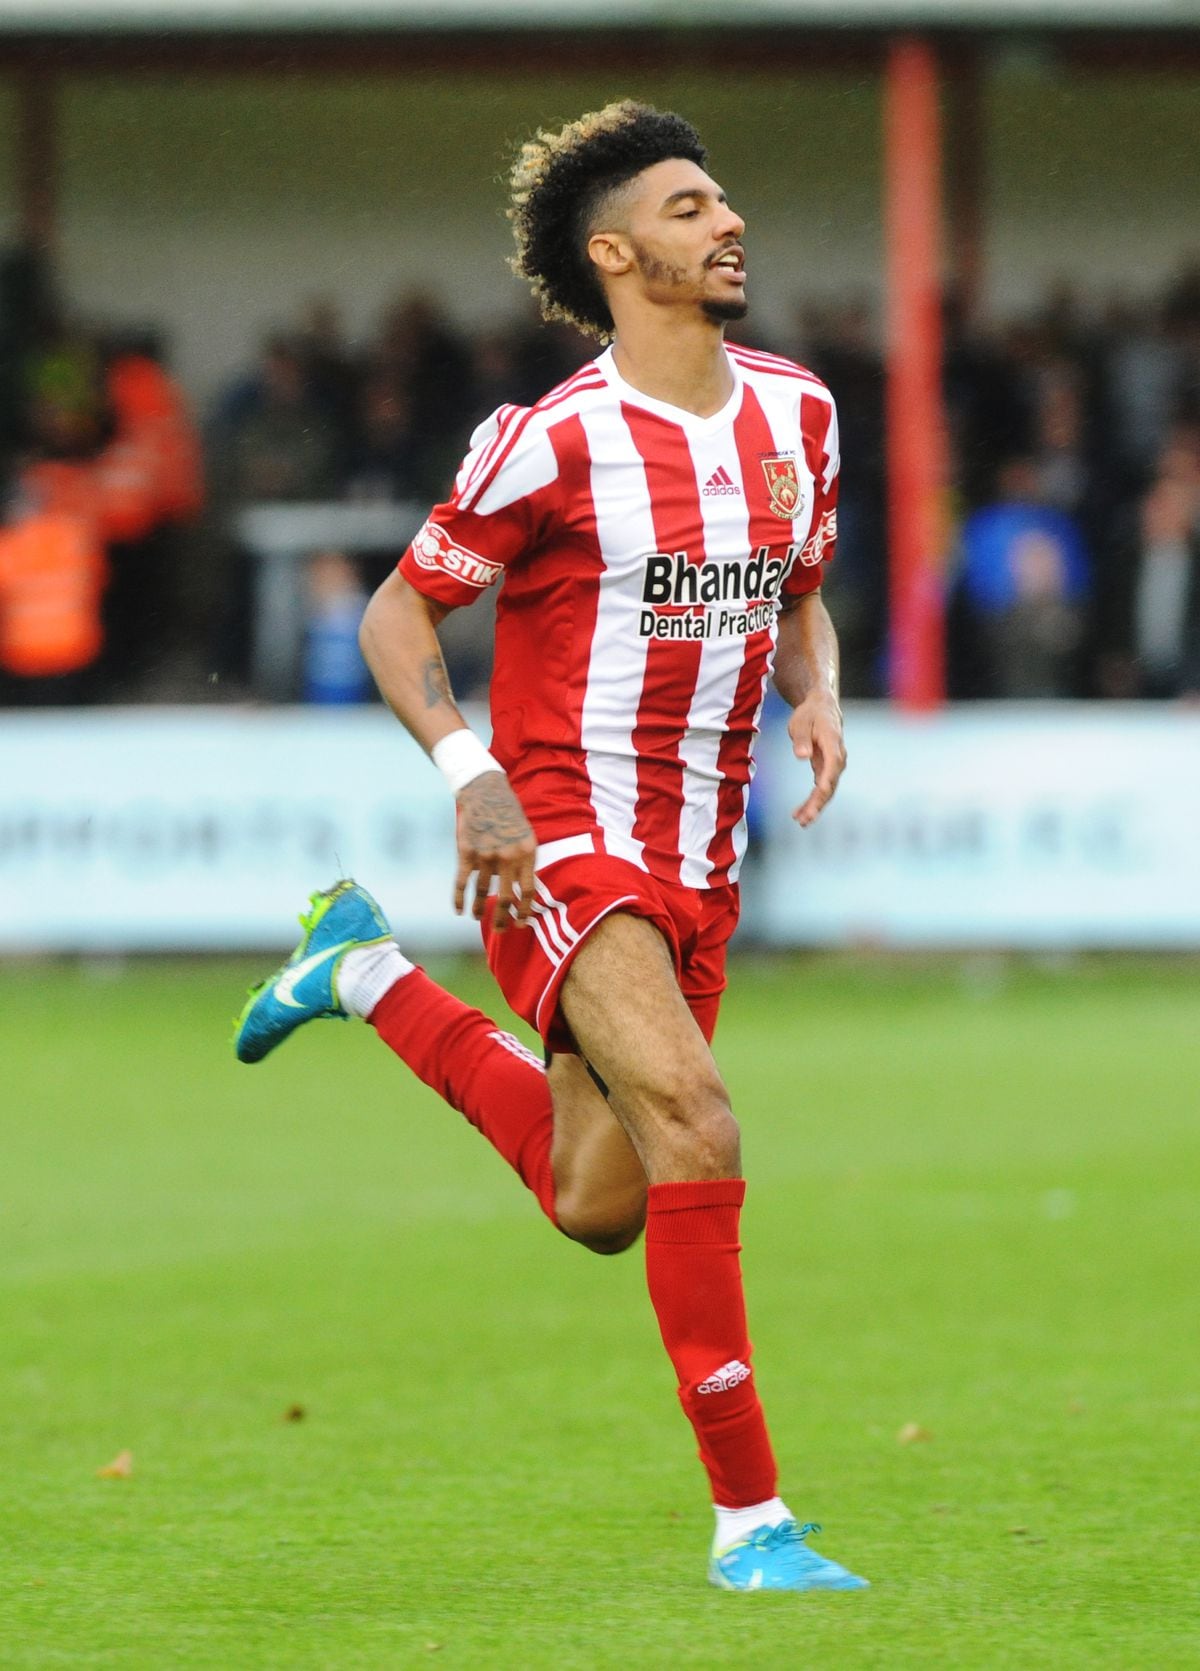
(120, 1468)
(295, 1413)
(912, 1433)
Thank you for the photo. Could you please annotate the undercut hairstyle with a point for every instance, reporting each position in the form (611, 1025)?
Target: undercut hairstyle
(561, 183)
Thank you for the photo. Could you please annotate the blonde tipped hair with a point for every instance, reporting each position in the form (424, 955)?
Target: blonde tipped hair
(558, 182)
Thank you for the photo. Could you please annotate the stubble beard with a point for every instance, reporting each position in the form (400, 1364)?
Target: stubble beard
(656, 271)
(725, 312)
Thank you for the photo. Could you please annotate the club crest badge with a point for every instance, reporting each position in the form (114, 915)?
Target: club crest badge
(783, 484)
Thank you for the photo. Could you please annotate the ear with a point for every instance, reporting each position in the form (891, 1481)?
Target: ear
(611, 253)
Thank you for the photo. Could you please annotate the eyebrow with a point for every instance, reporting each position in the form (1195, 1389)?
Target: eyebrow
(692, 191)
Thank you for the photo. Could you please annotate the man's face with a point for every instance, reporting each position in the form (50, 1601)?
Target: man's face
(684, 240)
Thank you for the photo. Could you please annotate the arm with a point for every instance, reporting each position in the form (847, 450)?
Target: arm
(401, 648)
(806, 676)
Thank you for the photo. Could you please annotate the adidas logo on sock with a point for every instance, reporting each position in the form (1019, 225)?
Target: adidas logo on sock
(729, 1375)
(517, 1049)
(721, 482)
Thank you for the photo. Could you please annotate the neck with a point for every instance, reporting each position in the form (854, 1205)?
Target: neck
(680, 361)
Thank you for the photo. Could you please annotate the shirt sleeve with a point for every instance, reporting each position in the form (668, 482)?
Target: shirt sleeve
(819, 438)
(493, 518)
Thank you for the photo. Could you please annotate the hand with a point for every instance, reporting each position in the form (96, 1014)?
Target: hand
(494, 839)
(816, 732)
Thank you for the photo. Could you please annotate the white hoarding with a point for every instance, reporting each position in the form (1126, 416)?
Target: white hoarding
(206, 829)
(1007, 826)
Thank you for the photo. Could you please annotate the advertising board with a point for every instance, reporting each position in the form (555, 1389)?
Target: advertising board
(205, 829)
(1012, 825)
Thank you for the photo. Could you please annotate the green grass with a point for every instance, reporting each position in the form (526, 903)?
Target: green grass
(972, 1206)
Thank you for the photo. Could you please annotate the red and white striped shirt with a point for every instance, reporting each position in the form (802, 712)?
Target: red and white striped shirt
(643, 551)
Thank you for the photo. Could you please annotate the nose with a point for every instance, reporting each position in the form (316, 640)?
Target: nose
(729, 223)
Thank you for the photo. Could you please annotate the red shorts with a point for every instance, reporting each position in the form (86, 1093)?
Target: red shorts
(575, 891)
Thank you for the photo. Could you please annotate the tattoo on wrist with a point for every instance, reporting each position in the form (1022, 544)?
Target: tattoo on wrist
(437, 685)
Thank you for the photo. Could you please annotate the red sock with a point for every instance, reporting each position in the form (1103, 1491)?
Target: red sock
(695, 1281)
(488, 1075)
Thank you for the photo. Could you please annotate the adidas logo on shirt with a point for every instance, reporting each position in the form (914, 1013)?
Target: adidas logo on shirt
(731, 1374)
(720, 482)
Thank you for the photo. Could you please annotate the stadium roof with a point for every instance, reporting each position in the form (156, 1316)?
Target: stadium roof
(160, 17)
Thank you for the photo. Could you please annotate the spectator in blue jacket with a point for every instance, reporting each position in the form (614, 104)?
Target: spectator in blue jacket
(1021, 595)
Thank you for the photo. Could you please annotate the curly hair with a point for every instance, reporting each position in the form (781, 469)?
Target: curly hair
(559, 181)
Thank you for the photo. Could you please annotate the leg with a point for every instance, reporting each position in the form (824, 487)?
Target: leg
(621, 997)
(553, 1127)
(625, 1008)
(594, 1186)
(633, 1024)
(600, 1184)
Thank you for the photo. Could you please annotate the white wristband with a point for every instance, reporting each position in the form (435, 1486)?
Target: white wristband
(461, 758)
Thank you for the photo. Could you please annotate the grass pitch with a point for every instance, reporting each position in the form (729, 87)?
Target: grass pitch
(972, 1210)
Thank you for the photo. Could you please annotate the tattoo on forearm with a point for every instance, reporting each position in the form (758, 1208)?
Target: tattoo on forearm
(437, 685)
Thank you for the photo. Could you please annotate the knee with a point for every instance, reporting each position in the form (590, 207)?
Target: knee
(698, 1125)
(615, 1241)
(719, 1143)
(605, 1231)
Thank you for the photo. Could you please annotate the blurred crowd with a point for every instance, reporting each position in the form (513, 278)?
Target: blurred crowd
(1072, 555)
(102, 472)
(318, 419)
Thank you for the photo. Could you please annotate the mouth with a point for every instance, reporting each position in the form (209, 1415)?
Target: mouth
(731, 261)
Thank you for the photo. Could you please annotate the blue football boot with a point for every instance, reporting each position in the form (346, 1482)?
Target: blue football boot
(777, 1558)
(338, 920)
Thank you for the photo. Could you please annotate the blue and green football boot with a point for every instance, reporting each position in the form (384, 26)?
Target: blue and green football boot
(337, 921)
(777, 1558)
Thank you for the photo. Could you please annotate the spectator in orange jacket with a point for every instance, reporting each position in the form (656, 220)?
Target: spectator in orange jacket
(116, 448)
(52, 574)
